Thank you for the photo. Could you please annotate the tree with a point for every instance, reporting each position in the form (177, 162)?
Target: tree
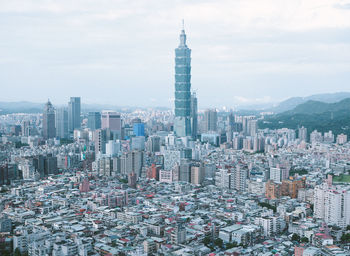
(206, 240)
(17, 252)
(218, 242)
(123, 180)
(229, 222)
(345, 238)
(231, 245)
(268, 206)
(304, 239)
(295, 237)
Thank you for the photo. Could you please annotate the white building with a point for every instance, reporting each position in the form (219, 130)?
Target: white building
(166, 176)
(342, 139)
(328, 137)
(138, 143)
(278, 174)
(316, 137)
(271, 225)
(113, 148)
(332, 204)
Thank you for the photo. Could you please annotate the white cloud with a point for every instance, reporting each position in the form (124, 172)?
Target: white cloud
(240, 100)
(126, 46)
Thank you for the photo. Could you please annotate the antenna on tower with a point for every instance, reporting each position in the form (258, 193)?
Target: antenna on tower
(183, 24)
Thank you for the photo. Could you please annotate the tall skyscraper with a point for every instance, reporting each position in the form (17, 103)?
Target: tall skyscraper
(100, 137)
(112, 120)
(62, 123)
(49, 130)
(197, 174)
(74, 111)
(194, 115)
(302, 133)
(153, 143)
(94, 120)
(139, 129)
(26, 128)
(252, 127)
(132, 161)
(182, 122)
(185, 170)
(210, 120)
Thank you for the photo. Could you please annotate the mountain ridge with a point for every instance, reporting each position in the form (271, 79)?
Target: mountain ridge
(314, 115)
(292, 102)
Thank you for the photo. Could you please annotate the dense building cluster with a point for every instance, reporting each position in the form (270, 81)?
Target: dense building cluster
(154, 182)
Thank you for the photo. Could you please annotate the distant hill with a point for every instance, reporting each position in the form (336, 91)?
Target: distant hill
(20, 107)
(291, 103)
(318, 107)
(31, 107)
(314, 115)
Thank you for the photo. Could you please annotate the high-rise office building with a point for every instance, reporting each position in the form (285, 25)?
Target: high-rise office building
(153, 144)
(112, 120)
(26, 128)
(247, 126)
(302, 134)
(94, 120)
(185, 170)
(252, 127)
(210, 120)
(194, 115)
(49, 130)
(61, 123)
(138, 143)
(74, 111)
(182, 122)
(139, 129)
(197, 174)
(100, 138)
(231, 120)
(113, 148)
(132, 161)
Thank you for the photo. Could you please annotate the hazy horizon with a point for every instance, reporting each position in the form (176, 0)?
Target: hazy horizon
(122, 52)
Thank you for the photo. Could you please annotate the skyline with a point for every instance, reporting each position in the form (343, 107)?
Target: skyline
(254, 52)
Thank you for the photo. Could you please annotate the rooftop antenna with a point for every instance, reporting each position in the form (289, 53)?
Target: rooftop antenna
(183, 24)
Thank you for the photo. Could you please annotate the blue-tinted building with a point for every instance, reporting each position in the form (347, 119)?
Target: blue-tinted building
(139, 129)
(182, 122)
(94, 120)
(74, 112)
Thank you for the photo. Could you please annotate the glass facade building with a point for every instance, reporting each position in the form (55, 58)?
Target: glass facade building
(194, 115)
(182, 123)
(139, 129)
(74, 112)
(49, 129)
(62, 123)
(94, 120)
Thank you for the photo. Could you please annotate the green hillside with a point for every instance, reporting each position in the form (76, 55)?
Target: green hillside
(314, 115)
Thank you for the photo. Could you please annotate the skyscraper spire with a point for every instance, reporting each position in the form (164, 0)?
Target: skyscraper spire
(183, 36)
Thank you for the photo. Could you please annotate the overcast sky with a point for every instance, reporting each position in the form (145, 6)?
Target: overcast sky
(121, 52)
